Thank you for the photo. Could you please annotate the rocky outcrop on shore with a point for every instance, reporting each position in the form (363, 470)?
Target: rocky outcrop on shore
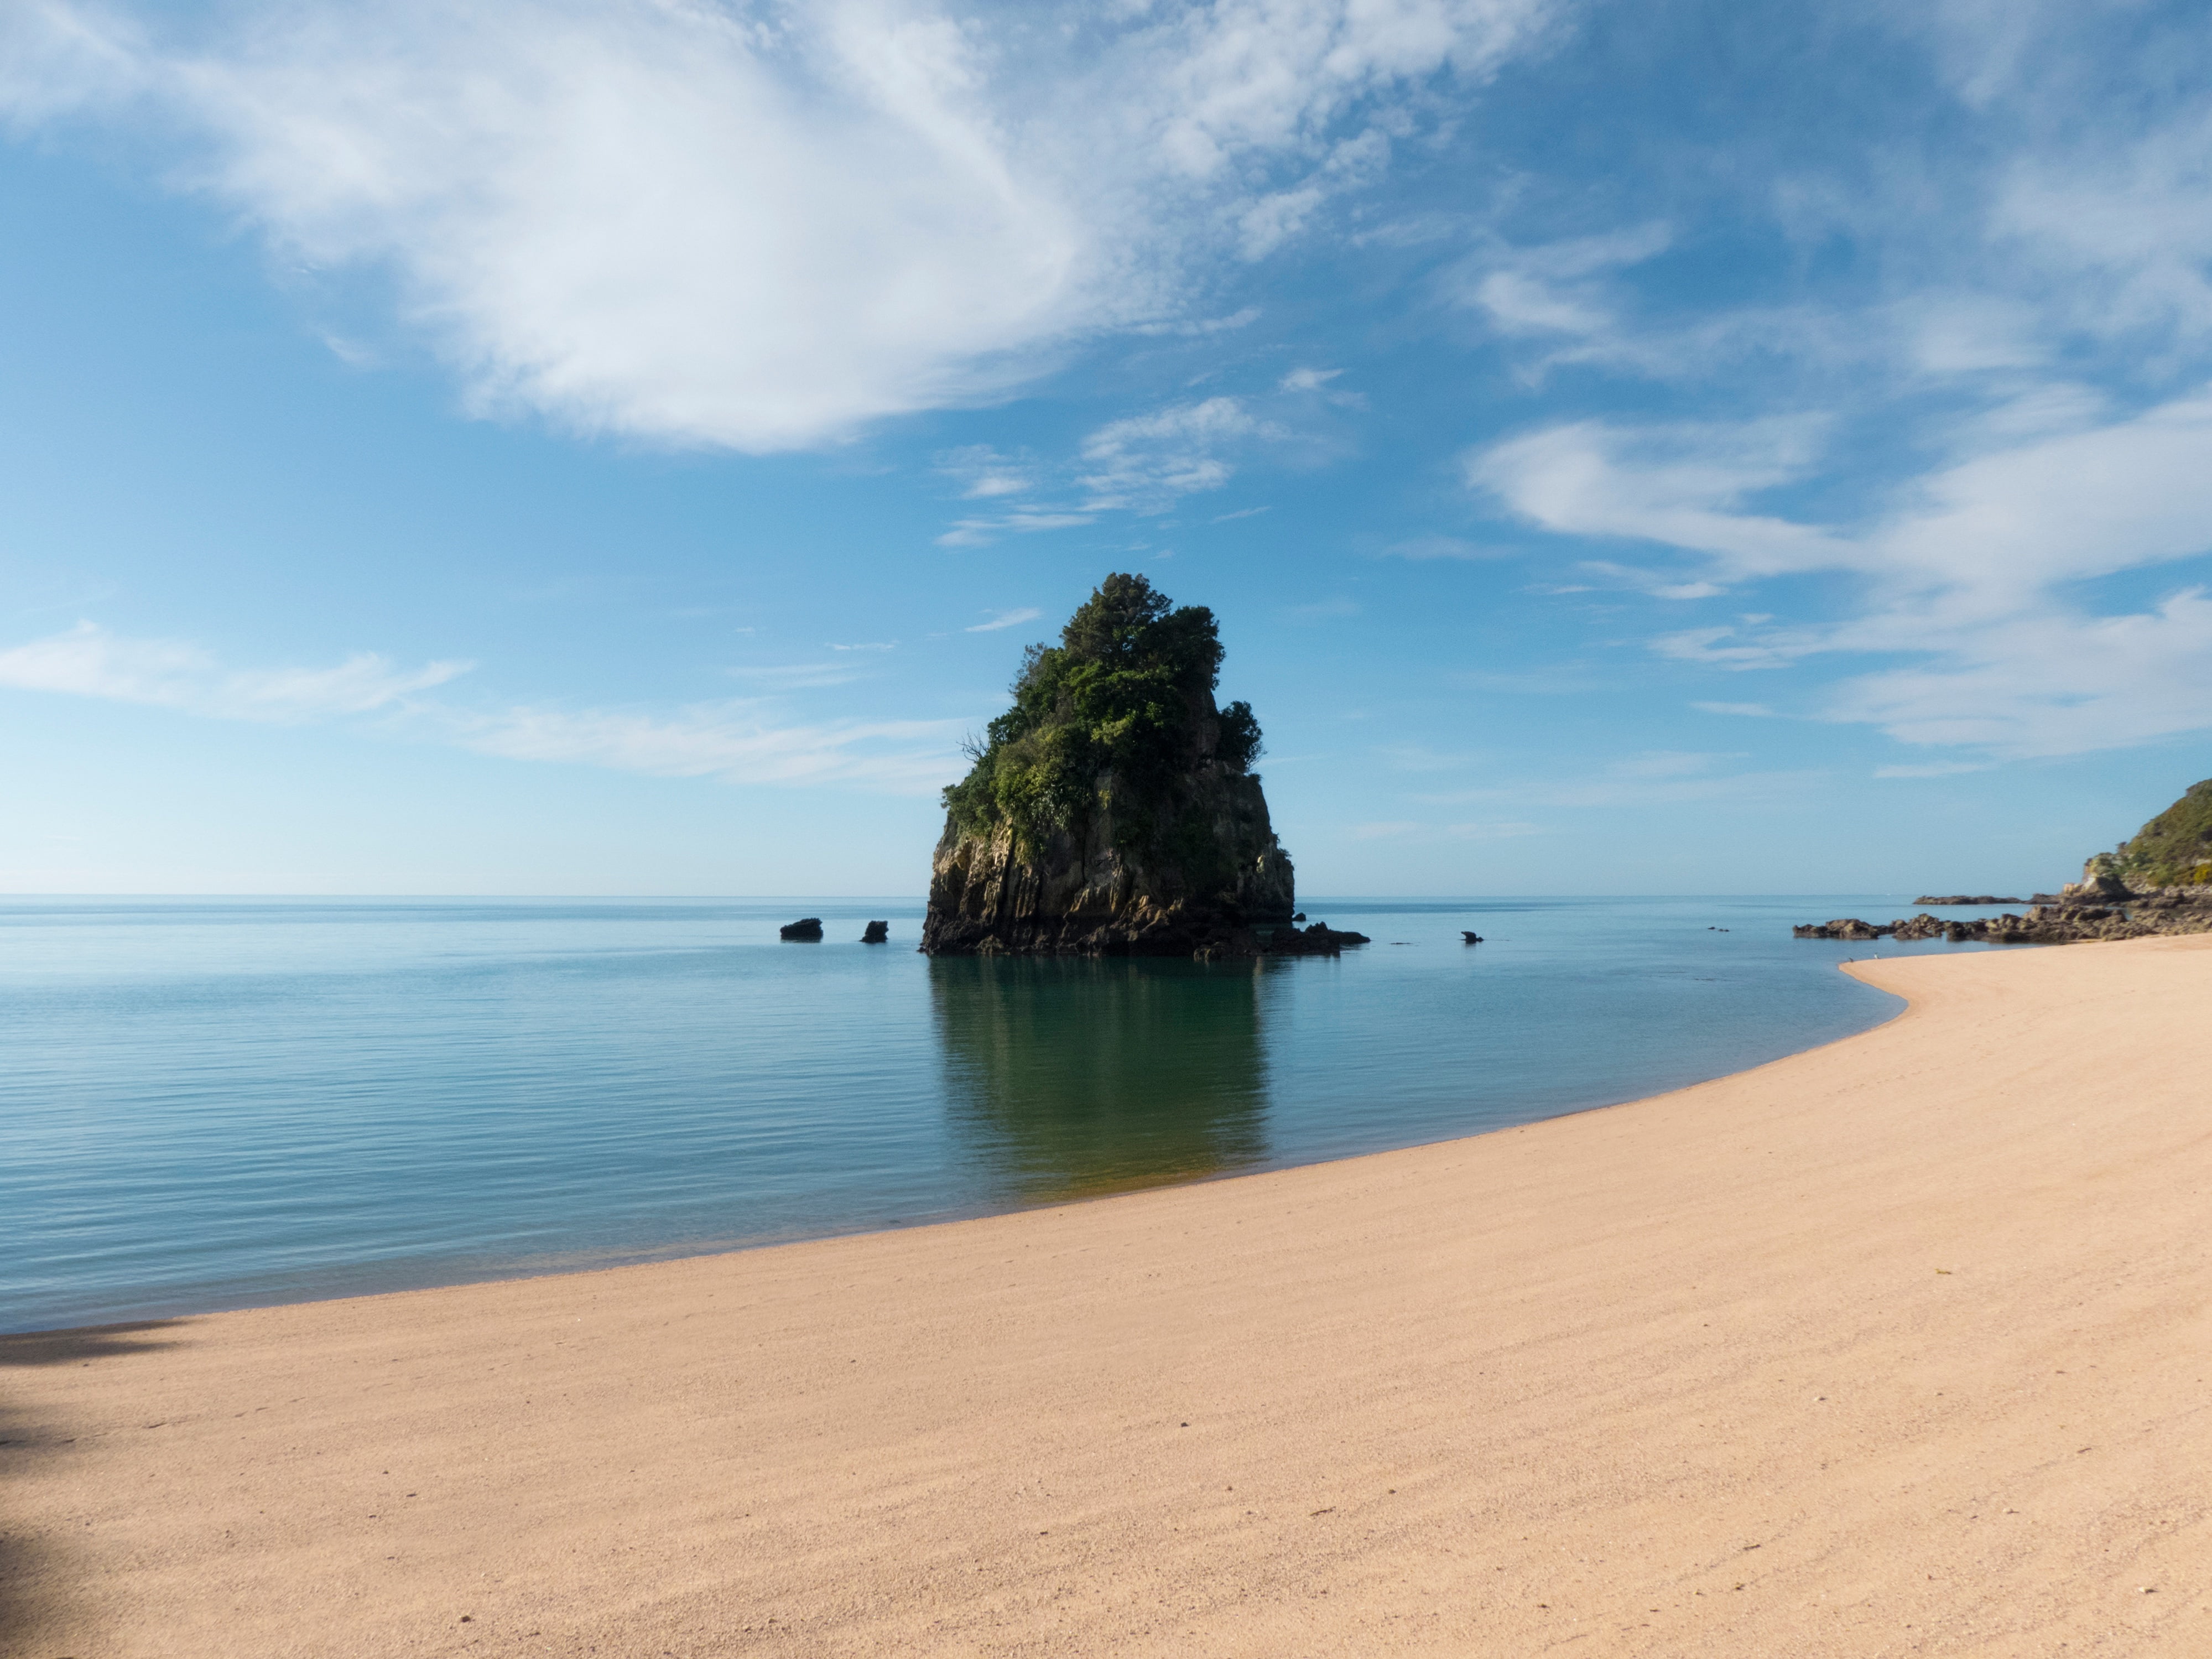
(1113, 811)
(1966, 898)
(2081, 913)
(2160, 881)
(2173, 851)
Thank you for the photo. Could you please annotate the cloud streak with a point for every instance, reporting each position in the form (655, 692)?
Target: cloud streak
(738, 740)
(1005, 619)
(89, 661)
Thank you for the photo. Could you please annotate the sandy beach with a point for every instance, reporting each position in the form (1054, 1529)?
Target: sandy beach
(1897, 1346)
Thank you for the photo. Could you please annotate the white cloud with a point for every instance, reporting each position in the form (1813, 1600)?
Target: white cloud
(984, 474)
(741, 740)
(1748, 710)
(2052, 683)
(1557, 288)
(735, 742)
(763, 228)
(1144, 464)
(1972, 568)
(1005, 619)
(1307, 379)
(88, 661)
(1682, 485)
(983, 532)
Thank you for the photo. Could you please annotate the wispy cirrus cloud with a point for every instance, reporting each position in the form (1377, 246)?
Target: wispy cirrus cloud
(742, 740)
(1141, 463)
(984, 530)
(1973, 567)
(984, 474)
(1146, 463)
(762, 228)
(1967, 476)
(1000, 619)
(89, 661)
(737, 742)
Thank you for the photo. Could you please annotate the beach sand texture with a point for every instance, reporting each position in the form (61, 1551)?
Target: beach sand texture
(1897, 1346)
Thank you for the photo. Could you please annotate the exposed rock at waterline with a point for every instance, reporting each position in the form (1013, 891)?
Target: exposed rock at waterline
(2158, 881)
(809, 927)
(879, 933)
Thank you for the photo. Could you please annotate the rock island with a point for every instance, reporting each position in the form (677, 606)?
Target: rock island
(1113, 810)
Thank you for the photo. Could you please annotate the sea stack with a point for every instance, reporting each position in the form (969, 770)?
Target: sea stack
(1113, 810)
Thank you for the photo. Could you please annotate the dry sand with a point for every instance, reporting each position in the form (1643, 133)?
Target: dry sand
(1896, 1346)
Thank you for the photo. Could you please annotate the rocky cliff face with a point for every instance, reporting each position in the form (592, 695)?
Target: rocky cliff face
(1113, 810)
(1086, 891)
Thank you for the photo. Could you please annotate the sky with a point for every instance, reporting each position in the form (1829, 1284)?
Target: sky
(622, 448)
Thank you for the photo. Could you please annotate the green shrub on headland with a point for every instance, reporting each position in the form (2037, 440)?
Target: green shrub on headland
(2174, 849)
(1116, 715)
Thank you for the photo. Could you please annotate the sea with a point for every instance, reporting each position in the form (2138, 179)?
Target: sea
(214, 1103)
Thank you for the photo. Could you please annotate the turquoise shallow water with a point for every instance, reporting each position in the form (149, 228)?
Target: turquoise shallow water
(221, 1103)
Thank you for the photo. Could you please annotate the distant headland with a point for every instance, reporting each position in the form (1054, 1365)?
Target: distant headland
(1112, 810)
(2158, 881)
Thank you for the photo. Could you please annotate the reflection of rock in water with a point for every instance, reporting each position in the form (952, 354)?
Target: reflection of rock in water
(1069, 1078)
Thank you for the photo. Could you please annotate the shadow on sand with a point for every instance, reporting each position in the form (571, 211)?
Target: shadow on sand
(34, 1577)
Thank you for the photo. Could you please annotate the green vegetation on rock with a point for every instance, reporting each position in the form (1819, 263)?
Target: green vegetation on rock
(2174, 849)
(1113, 716)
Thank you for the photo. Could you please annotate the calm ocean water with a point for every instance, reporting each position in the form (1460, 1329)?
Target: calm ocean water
(219, 1103)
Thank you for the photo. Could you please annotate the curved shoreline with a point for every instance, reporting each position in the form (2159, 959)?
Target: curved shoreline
(430, 1236)
(1780, 1362)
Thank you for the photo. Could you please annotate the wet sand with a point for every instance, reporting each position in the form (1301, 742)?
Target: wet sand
(1897, 1346)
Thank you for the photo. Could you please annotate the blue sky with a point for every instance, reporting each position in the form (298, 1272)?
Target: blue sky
(622, 448)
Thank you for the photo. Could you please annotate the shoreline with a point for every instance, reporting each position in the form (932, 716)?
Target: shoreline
(1076, 1201)
(254, 1286)
(1557, 1381)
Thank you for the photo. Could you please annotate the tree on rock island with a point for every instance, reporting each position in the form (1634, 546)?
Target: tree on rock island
(1113, 810)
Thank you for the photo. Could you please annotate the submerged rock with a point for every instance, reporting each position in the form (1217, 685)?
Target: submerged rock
(809, 927)
(1112, 810)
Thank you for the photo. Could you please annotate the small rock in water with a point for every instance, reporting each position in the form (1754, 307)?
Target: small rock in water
(879, 932)
(1471, 939)
(808, 928)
